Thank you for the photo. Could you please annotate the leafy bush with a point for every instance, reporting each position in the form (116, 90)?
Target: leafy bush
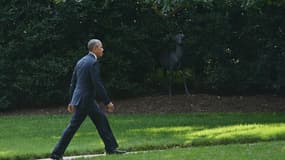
(231, 46)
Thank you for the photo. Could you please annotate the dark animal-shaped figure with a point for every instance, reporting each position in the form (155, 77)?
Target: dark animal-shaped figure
(171, 61)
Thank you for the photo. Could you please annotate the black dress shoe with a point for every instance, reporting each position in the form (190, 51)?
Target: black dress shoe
(56, 157)
(116, 151)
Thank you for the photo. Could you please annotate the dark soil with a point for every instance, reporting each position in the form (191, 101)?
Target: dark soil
(181, 104)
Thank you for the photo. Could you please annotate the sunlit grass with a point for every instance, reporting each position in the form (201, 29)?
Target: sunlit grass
(202, 135)
(35, 136)
(256, 151)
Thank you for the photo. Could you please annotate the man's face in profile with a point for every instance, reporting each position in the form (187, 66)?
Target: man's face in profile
(98, 50)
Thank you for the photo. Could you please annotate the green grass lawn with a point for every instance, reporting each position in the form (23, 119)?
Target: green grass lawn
(27, 137)
(255, 151)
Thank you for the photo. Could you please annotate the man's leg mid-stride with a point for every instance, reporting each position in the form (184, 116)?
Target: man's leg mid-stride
(100, 120)
(75, 122)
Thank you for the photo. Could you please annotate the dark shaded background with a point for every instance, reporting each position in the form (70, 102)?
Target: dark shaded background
(230, 48)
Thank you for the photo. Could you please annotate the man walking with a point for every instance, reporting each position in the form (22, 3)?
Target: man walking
(85, 84)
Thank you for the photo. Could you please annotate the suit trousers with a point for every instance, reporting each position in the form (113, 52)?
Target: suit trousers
(99, 119)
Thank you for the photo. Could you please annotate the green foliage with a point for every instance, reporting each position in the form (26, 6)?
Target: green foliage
(234, 46)
(231, 46)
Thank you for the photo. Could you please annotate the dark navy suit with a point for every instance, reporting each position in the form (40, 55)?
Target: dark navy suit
(85, 84)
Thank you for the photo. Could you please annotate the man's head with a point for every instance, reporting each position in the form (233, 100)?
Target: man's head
(96, 46)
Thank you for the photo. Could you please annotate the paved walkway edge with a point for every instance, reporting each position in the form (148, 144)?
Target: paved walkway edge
(95, 155)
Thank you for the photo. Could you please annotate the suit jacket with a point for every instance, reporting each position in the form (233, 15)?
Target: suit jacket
(86, 82)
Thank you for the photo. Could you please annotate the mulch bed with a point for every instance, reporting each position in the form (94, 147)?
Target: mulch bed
(181, 104)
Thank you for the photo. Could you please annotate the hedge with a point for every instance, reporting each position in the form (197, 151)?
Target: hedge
(231, 46)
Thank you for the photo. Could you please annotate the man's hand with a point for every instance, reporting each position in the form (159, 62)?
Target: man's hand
(110, 107)
(70, 108)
